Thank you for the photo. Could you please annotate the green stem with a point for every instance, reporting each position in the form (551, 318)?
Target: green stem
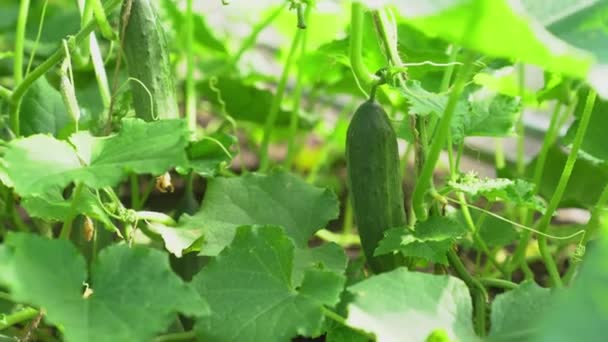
(135, 194)
(253, 36)
(20, 41)
(423, 184)
(190, 86)
(38, 34)
(179, 336)
(66, 229)
(295, 113)
(50, 62)
(477, 291)
(18, 317)
(499, 155)
(519, 255)
(342, 321)
(5, 93)
(520, 128)
(593, 225)
(154, 216)
(561, 187)
(500, 283)
(552, 131)
(278, 99)
(475, 232)
(363, 77)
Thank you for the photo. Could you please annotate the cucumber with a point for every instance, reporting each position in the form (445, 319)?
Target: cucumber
(147, 56)
(374, 181)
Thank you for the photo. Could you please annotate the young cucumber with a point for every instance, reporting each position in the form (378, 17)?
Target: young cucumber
(147, 56)
(374, 181)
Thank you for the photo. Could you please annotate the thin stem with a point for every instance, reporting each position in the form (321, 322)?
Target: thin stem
(519, 255)
(5, 93)
(66, 229)
(520, 128)
(342, 321)
(593, 225)
(363, 77)
(295, 113)
(154, 216)
(57, 56)
(477, 291)
(499, 154)
(423, 184)
(18, 317)
(464, 207)
(179, 336)
(278, 99)
(20, 41)
(135, 194)
(38, 34)
(500, 283)
(561, 187)
(251, 39)
(190, 86)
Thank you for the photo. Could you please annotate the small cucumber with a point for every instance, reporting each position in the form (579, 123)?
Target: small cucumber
(147, 56)
(374, 181)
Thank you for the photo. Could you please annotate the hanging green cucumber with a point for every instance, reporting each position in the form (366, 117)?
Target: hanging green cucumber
(148, 65)
(374, 180)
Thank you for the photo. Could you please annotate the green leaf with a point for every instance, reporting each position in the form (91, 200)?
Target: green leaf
(498, 28)
(52, 206)
(245, 102)
(40, 163)
(134, 292)
(403, 305)
(492, 115)
(207, 155)
(203, 35)
(518, 192)
(327, 257)
(580, 24)
(429, 240)
(42, 110)
(253, 199)
(484, 113)
(516, 314)
(580, 312)
(250, 291)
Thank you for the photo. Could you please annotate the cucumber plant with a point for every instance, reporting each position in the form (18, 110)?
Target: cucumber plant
(302, 195)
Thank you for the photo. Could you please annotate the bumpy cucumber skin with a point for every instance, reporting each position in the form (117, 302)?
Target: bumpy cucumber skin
(147, 56)
(374, 181)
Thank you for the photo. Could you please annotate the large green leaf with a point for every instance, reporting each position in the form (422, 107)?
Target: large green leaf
(580, 23)
(42, 110)
(250, 291)
(248, 200)
(499, 28)
(52, 206)
(516, 314)
(245, 102)
(580, 313)
(408, 306)
(429, 240)
(135, 295)
(40, 163)
(483, 113)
